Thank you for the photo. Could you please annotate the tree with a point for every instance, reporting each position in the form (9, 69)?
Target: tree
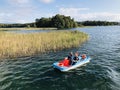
(58, 21)
(43, 22)
(61, 21)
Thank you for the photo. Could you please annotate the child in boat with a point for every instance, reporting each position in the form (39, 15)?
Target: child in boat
(67, 60)
(75, 59)
(70, 57)
(78, 54)
(83, 56)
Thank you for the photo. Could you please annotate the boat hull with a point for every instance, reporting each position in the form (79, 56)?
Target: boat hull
(70, 67)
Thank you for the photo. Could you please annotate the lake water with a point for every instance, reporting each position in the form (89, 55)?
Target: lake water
(26, 31)
(37, 73)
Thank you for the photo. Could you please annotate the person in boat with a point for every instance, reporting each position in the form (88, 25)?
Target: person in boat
(67, 60)
(70, 56)
(83, 56)
(75, 59)
(79, 56)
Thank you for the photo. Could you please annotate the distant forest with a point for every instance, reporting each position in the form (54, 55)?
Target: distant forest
(60, 22)
(97, 23)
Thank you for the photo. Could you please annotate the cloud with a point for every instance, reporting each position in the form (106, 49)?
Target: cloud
(4, 17)
(103, 16)
(22, 15)
(71, 11)
(47, 1)
(79, 14)
(22, 11)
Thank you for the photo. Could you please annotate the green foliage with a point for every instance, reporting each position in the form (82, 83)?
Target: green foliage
(58, 21)
(97, 23)
(43, 22)
(17, 25)
(12, 25)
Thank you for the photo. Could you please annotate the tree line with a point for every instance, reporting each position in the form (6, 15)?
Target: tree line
(60, 22)
(97, 23)
(57, 21)
(16, 25)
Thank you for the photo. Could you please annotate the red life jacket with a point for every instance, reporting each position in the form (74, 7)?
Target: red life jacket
(64, 62)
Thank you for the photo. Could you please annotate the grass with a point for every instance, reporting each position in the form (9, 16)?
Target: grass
(16, 45)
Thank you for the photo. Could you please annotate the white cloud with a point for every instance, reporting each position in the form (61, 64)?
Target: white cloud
(4, 17)
(17, 17)
(47, 1)
(71, 11)
(104, 16)
(22, 12)
(79, 15)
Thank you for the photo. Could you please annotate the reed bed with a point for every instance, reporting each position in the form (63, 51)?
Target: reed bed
(16, 45)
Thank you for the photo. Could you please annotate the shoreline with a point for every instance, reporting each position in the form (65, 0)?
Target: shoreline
(44, 28)
(6, 29)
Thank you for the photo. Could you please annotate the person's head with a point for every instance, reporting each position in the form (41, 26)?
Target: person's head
(71, 53)
(76, 54)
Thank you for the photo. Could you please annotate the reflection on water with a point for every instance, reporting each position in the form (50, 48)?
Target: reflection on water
(37, 73)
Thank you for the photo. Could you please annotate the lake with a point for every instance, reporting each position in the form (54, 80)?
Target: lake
(26, 31)
(36, 72)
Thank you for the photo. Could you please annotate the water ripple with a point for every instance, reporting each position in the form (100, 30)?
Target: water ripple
(36, 72)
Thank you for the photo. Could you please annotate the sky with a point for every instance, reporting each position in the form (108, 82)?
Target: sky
(26, 11)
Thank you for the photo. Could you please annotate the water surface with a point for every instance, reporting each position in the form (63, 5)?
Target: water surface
(27, 31)
(36, 72)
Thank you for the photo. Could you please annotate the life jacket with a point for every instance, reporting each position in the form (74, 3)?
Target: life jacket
(83, 56)
(64, 62)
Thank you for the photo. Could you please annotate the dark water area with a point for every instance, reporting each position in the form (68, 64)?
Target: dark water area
(37, 73)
